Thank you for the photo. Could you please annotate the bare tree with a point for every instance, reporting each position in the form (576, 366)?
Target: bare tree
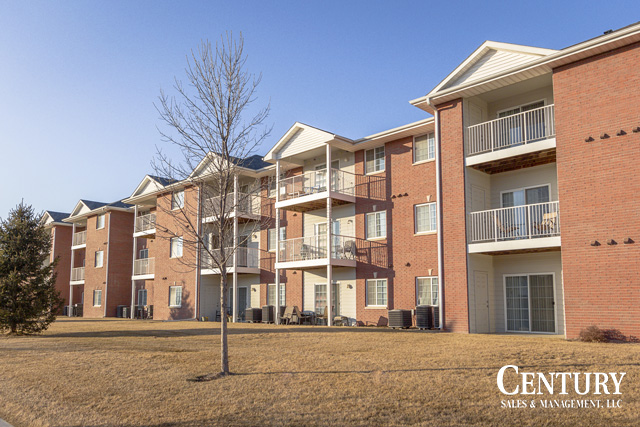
(214, 125)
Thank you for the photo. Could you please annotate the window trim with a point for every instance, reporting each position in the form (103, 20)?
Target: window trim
(431, 284)
(103, 216)
(95, 259)
(146, 294)
(413, 149)
(97, 292)
(384, 157)
(366, 225)
(173, 196)
(415, 219)
(283, 292)
(543, 100)
(555, 306)
(283, 228)
(366, 293)
(175, 287)
(181, 247)
(511, 190)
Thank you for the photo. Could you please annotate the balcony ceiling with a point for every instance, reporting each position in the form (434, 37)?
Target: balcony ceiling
(518, 162)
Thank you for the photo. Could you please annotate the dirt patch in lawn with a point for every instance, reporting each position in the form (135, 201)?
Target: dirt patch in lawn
(120, 372)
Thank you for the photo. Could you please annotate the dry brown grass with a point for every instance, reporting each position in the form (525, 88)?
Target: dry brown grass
(118, 372)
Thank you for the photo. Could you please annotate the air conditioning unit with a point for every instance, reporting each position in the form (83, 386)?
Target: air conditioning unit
(400, 319)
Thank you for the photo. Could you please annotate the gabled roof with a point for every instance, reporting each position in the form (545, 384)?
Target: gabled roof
(53, 217)
(150, 184)
(301, 138)
(84, 208)
(254, 163)
(491, 58)
(162, 181)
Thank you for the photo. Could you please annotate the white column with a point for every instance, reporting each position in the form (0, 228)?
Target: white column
(329, 240)
(73, 235)
(133, 265)
(235, 246)
(277, 308)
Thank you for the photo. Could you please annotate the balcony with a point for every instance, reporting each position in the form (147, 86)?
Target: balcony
(524, 137)
(248, 207)
(79, 240)
(310, 190)
(248, 261)
(311, 251)
(77, 276)
(145, 225)
(143, 268)
(518, 228)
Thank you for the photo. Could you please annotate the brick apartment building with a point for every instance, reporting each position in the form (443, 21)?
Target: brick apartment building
(61, 235)
(462, 210)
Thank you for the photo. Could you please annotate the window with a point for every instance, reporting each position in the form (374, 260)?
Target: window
(177, 200)
(97, 298)
(525, 196)
(427, 290)
(425, 218)
(99, 259)
(100, 222)
(271, 294)
(175, 296)
(377, 293)
(144, 253)
(176, 247)
(377, 225)
(374, 160)
(142, 297)
(424, 148)
(271, 238)
(529, 301)
(320, 298)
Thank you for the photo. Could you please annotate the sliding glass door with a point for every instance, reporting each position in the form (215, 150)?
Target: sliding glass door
(529, 302)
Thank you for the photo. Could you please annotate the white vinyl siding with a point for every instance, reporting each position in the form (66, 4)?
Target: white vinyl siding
(99, 259)
(175, 296)
(100, 222)
(424, 148)
(374, 160)
(425, 218)
(427, 290)
(176, 247)
(377, 225)
(97, 298)
(177, 200)
(377, 293)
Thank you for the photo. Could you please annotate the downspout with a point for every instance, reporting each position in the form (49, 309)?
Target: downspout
(133, 266)
(106, 286)
(198, 271)
(439, 218)
(70, 309)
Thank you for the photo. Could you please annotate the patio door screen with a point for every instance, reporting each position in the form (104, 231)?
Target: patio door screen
(320, 298)
(530, 303)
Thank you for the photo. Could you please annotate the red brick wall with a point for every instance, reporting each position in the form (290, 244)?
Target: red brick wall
(599, 183)
(61, 250)
(94, 278)
(120, 256)
(455, 298)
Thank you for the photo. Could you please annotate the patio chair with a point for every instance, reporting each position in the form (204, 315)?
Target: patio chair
(548, 223)
(305, 251)
(324, 316)
(296, 316)
(350, 249)
(506, 231)
(285, 319)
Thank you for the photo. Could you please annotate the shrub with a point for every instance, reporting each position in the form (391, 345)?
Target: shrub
(593, 334)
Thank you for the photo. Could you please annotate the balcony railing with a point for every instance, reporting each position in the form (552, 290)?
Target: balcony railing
(247, 257)
(315, 247)
(248, 204)
(518, 222)
(313, 182)
(518, 129)
(77, 274)
(80, 238)
(145, 222)
(143, 266)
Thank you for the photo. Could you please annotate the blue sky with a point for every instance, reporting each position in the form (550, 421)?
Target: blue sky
(78, 79)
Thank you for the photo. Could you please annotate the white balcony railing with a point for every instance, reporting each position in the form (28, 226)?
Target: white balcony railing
(247, 257)
(315, 247)
(145, 222)
(518, 222)
(248, 204)
(144, 266)
(313, 182)
(77, 274)
(79, 238)
(518, 129)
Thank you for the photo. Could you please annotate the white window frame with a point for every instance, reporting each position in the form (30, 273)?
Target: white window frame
(95, 259)
(177, 291)
(432, 220)
(431, 147)
(271, 289)
(272, 240)
(142, 292)
(100, 221)
(543, 100)
(386, 292)
(374, 215)
(513, 190)
(180, 246)
(177, 200)
(555, 309)
(97, 293)
(144, 251)
(433, 288)
(384, 160)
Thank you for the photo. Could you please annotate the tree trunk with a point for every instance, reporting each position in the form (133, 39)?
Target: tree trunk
(224, 348)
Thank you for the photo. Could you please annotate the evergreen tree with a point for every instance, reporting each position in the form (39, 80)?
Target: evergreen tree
(29, 300)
